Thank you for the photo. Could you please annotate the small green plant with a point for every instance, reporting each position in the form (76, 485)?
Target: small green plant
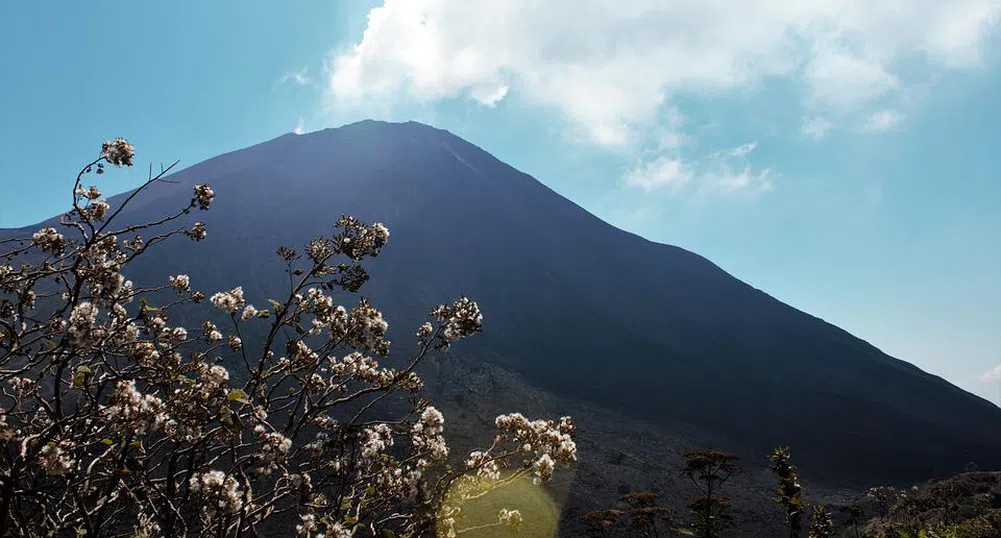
(790, 493)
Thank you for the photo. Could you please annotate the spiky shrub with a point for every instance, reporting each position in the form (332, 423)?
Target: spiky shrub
(116, 421)
(821, 523)
(709, 470)
(643, 516)
(789, 492)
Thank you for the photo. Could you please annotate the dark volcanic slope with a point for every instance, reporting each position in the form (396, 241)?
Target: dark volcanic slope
(577, 306)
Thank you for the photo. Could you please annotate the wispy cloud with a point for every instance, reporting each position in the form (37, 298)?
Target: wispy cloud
(726, 170)
(299, 77)
(298, 127)
(884, 120)
(661, 173)
(816, 127)
(991, 376)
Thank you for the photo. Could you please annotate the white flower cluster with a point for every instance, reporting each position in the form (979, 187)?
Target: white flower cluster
(212, 333)
(120, 322)
(180, 282)
(195, 402)
(328, 315)
(145, 354)
(249, 312)
(300, 357)
(357, 366)
(90, 194)
(485, 464)
(425, 330)
(203, 196)
(376, 439)
(368, 329)
(310, 528)
(216, 375)
(28, 299)
(97, 210)
(428, 439)
(359, 240)
(107, 284)
(398, 481)
(56, 458)
(510, 518)
(364, 327)
(460, 319)
(197, 231)
(119, 152)
(374, 237)
(318, 249)
(230, 301)
(543, 467)
(273, 451)
(24, 387)
(551, 442)
(83, 329)
(49, 240)
(130, 409)
(103, 273)
(7, 278)
(219, 492)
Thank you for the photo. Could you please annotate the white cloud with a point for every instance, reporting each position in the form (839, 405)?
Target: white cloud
(843, 81)
(610, 67)
(299, 77)
(729, 171)
(742, 150)
(990, 376)
(816, 127)
(671, 136)
(883, 120)
(662, 172)
(725, 170)
(298, 127)
(731, 180)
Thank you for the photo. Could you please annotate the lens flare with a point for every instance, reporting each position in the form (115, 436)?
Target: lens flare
(479, 516)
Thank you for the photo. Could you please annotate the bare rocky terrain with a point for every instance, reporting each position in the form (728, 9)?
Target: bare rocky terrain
(617, 454)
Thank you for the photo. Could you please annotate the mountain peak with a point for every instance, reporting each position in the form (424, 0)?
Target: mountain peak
(373, 125)
(573, 304)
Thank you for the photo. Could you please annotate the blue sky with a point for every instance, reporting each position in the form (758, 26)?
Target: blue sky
(840, 155)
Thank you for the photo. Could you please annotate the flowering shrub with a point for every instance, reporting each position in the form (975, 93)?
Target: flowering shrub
(117, 421)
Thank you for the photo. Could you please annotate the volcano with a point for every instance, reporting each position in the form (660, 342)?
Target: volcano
(571, 304)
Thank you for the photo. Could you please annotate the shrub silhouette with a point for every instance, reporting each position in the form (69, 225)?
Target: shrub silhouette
(709, 470)
(643, 517)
